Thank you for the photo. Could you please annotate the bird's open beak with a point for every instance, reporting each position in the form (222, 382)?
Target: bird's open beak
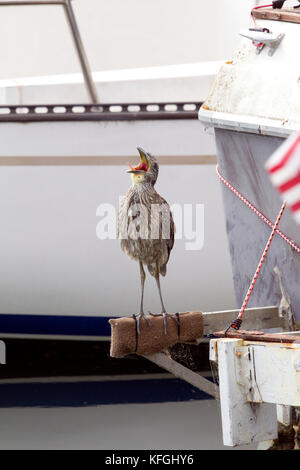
(144, 164)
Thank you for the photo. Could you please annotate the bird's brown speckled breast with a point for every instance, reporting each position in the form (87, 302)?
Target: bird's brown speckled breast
(139, 212)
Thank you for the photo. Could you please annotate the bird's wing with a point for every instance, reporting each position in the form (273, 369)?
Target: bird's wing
(167, 231)
(170, 241)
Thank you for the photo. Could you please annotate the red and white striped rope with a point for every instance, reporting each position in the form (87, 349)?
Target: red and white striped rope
(256, 211)
(261, 262)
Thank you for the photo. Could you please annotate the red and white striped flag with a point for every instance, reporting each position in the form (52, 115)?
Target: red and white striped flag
(284, 170)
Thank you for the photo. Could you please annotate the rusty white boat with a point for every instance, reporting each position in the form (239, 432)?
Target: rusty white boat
(254, 105)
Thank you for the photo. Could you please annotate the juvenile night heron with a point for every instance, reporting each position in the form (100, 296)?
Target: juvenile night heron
(146, 227)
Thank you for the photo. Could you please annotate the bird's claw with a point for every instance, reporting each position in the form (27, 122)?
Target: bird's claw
(165, 316)
(137, 318)
(175, 318)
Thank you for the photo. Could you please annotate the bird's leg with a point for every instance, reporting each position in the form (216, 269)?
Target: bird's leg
(141, 314)
(163, 309)
(143, 277)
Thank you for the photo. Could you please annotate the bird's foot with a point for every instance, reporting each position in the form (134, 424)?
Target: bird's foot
(174, 317)
(165, 316)
(137, 317)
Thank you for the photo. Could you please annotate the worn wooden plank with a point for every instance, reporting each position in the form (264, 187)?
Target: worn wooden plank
(286, 14)
(152, 338)
(254, 318)
(289, 337)
(162, 360)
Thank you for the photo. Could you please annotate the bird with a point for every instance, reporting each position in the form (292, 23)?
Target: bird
(146, 228)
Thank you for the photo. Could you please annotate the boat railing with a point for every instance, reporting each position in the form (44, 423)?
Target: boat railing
(78, 44)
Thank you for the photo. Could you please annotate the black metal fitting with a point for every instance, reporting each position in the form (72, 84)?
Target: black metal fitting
(278, 3)
(235, 325)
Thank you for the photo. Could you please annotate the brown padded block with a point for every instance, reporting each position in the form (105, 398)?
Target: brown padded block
(152, 338)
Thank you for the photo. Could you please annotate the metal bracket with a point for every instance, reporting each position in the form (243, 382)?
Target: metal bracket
(262, 38)
(274, 44)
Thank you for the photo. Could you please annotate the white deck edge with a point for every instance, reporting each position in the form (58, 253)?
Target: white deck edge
(250, 124)
(196, 69)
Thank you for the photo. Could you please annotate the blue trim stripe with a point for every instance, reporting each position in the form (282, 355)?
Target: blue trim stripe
(77, 394)
(54, 325)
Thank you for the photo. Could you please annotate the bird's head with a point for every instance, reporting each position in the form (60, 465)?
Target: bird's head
(146, 171)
